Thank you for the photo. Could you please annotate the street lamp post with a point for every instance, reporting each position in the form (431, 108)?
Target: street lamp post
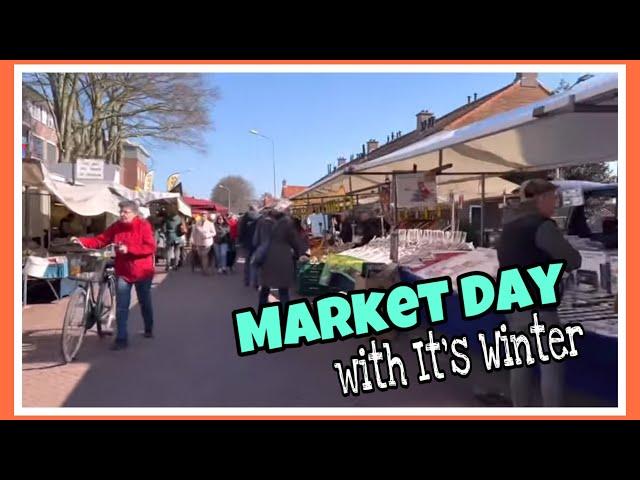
(228, 197)
(273, 156)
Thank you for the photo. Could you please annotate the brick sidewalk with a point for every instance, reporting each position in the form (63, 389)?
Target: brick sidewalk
(46, 380)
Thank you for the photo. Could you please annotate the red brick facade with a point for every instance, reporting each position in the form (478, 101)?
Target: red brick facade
(513, 97)
(133, 173)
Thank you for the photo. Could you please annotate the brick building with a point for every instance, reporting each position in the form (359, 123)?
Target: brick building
(289, 191)
(134, 166)
(524, 89)
(39, 137)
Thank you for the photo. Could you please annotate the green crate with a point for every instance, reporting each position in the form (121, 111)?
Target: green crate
(309, 280)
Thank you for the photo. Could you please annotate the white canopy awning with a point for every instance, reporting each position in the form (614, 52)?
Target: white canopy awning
(92, 199)
(145, 198)
(577, 127)
(85, 200)
(471, 189)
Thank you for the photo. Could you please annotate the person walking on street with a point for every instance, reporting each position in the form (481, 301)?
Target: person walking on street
(278, 242)
(246, 231)
(134, 267)
(202, 236)
(233, 239)
(528, 238)
(174, 231)
(221, 243)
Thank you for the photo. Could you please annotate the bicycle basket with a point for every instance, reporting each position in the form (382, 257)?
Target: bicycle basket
(87, 266)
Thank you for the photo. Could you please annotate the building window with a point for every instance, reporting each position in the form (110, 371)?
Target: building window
(50, 121)
(36, 112)
(52, 153)
(475, 211)
(37, 148)
(41, 115)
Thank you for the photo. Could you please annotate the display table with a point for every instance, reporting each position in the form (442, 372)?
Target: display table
(41, 269)
(594, 371)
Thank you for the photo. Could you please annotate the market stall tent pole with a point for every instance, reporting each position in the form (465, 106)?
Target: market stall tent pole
(394, 233)
(453, 213)
(27, 216)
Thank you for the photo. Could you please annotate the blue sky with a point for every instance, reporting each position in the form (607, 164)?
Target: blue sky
(314, 119)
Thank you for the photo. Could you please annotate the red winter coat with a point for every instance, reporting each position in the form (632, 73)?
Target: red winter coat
(233, 228)
(137, 264)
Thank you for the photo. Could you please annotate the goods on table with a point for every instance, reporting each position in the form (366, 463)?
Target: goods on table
(596, 312)
(414, 245)
(346, 265)
(46, 267)
(480, 260)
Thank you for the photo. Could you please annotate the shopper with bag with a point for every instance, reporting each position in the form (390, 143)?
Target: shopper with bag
(277, 244)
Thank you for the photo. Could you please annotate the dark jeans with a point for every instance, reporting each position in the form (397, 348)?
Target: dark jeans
(249, 270)
(264, 295)
(123, 301)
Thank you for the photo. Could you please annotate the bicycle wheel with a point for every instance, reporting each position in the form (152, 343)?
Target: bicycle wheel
(75, 323)
(106, 305)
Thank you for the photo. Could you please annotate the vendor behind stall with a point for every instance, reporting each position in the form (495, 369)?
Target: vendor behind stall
(346, 230)
(70, 226)
(531, 237)
(371, 227)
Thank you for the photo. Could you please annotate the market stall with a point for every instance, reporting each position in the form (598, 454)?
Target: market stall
(574, 128)
(68, 209)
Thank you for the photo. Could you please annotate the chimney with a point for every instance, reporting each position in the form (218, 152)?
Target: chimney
(341, 161)
(475, 97)
(423, 119)
(527, 79)
(284, 183)
(371, 145)
(468, 99)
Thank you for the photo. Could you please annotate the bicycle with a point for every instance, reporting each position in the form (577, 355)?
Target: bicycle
(93, 300)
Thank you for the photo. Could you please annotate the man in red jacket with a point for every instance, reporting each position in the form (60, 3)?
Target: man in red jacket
(134, 266)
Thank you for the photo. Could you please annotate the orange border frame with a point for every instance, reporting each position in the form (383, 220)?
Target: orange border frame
(7, 284)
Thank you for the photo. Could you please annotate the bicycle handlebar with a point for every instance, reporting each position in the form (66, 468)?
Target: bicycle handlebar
(73, 247)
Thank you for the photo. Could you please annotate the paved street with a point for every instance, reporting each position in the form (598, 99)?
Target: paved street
(192, 361)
